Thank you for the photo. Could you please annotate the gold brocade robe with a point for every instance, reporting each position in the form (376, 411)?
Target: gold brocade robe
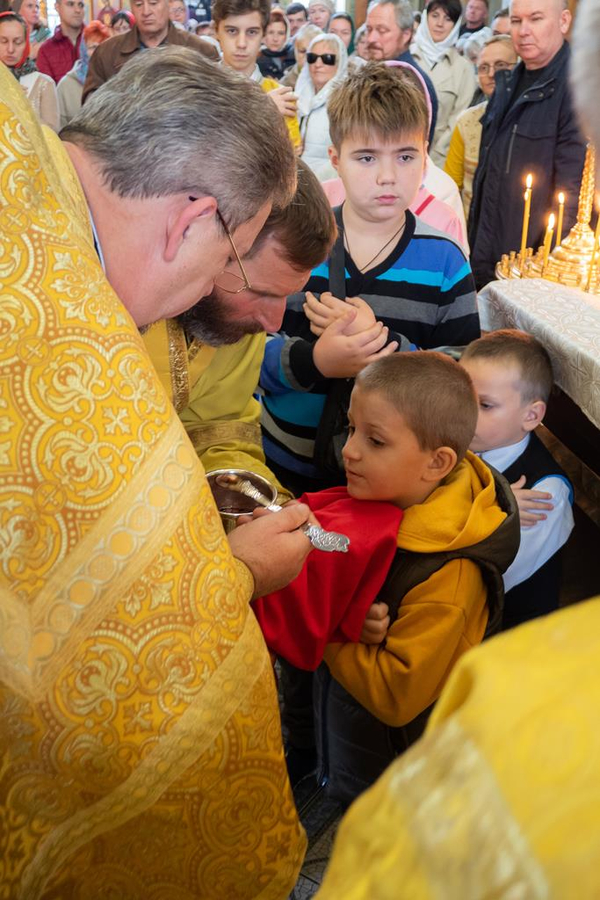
(140, 741)
(500, 800)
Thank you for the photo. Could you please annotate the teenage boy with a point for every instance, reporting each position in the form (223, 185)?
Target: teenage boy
(240, 27)
(512, 374)
(409, 285)
(437, 562)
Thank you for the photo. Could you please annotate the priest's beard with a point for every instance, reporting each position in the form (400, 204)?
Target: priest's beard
(208, 321)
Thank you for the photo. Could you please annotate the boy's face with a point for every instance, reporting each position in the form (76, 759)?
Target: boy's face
(504, 418)
(382, 456)
(240, 38)
(381, 177)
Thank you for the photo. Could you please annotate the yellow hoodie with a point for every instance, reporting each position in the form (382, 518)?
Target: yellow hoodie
(439, 619)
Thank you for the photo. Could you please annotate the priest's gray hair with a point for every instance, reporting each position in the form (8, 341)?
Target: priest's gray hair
(173, 122)
(585, 70)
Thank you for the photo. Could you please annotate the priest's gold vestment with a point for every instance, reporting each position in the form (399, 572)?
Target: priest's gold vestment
(140, 741)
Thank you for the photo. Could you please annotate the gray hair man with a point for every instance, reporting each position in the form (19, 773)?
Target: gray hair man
(153, 28)
(529, 127)
(126, 639)
(165, 205)
(389, 30)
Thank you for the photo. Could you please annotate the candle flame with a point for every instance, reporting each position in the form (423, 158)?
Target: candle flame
(529, 180)
(561, 198)
(551, 221)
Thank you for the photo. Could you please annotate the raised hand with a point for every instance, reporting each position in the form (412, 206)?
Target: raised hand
(321, 313)
(338, 354)
(529, 502)
(285, 100)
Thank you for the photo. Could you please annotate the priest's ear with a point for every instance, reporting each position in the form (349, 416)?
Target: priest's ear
(533, 415)
(183, 217)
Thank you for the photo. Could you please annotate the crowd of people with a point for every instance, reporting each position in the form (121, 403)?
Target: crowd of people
(171, 307)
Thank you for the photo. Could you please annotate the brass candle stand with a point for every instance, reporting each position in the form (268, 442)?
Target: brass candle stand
(573, 262)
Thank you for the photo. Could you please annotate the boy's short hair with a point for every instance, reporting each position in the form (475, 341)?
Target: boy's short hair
(225, 9)
(306, 228)
(373, 99)
(510, 345)
(433, 394)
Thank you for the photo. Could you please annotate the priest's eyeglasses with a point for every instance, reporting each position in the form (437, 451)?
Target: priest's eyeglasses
(227, 281)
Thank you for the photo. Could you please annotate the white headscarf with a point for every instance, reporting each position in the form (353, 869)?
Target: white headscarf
(308, 98)
(432, 51)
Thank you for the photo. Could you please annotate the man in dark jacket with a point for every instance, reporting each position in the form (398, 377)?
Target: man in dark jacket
(389, 29)
(529, 127)
(152, 29)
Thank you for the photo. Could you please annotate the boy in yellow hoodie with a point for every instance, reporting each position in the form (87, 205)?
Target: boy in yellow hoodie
(412, 417)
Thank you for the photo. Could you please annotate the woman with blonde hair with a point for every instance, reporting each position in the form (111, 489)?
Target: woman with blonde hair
(303, 38)
(326, 65)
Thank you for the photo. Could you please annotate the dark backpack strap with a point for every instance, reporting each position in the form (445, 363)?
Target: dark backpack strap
(333, 425)
(337, 262)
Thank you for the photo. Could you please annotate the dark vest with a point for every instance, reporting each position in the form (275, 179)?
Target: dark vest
(538, 594)
(353, 746)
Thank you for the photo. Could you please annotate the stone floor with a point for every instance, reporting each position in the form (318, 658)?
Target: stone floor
(321, 817)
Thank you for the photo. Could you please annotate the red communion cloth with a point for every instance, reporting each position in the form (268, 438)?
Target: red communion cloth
(329, 599)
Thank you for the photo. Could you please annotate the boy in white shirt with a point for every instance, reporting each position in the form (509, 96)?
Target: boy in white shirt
(512, 374)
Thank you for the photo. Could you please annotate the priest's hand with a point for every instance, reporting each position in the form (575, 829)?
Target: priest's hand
(272, 546)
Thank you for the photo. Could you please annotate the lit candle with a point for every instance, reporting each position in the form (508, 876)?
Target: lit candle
(526, 212)
(548, 241)
(561, 212)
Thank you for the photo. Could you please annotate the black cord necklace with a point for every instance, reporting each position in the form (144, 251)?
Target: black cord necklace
(379, 252)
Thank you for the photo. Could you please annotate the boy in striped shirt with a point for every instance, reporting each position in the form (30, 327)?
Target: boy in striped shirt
(398, 283)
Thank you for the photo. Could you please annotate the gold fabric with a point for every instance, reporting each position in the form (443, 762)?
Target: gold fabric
(501, 798)
(214, 398)
(140, 742)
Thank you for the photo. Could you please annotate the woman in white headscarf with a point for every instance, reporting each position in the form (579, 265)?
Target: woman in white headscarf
(326, 65)
(453, 76)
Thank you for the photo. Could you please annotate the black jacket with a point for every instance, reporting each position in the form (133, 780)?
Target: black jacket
(537, 134)
(539, 594)
(274, 63)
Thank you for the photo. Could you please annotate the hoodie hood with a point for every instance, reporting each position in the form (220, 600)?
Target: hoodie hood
(462, 511)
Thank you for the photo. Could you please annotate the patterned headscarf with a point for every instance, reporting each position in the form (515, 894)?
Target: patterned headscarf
(25, 65)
